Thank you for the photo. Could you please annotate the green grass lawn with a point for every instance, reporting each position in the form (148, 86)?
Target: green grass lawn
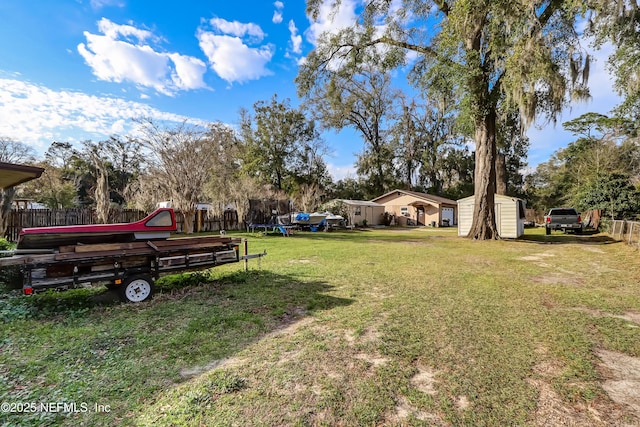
(363, 327)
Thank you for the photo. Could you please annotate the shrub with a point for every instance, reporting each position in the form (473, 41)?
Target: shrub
(6, 245)
(386, 218)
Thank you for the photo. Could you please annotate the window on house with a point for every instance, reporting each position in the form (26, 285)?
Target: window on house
(404, 211)
(358, 211)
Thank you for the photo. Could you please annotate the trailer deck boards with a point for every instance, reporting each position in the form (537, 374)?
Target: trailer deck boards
(129, 266)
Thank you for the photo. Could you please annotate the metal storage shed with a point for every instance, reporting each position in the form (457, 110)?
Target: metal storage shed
(510, 215)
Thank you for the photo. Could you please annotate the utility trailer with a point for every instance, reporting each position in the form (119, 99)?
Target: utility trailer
(130, 267)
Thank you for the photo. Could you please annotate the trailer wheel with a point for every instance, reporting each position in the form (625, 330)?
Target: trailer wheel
(136, 289)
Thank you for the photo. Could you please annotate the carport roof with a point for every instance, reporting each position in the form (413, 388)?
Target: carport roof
(360, 202)
(12, 174)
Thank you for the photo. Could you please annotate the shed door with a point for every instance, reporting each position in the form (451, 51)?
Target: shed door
(447, 213)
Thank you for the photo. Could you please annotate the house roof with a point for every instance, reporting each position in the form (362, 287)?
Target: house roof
(423, 196)
(360, 202)
(13, 174)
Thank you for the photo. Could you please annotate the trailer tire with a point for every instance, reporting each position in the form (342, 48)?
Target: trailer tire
(137, 288)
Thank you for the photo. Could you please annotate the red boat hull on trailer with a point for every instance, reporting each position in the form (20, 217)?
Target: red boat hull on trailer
(158, 225)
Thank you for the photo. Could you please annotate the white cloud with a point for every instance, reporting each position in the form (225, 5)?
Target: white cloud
(230, 56)
(188, 71)
(112, 31)
(277, 14)
(341, 172)
(331, 20)
(296, 39)
(237, 29)
(37, 115)
(120, 55)
(99, 4)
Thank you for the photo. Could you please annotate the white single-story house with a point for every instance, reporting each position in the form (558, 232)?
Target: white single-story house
(510, 215)
(414, 208)
(360, 212)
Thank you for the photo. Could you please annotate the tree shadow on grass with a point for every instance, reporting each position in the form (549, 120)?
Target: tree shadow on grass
(588, 237)
(52, 304)
(194, 322)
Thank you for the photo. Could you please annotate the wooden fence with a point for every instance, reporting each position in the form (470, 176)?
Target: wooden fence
(207, 222)
(627, 231)
(24, 218)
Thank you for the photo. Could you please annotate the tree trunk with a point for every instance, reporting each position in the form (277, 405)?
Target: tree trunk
(102, 197)
(483, 226)
(6, 200)
(188, 221)
(501, 174)
(101, 192)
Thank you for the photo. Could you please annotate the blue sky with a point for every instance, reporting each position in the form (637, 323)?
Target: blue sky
(72, 70)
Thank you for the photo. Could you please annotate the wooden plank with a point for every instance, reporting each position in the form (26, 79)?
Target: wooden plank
(102, 247)
(25, 259)
(149, 251)
(187, 242)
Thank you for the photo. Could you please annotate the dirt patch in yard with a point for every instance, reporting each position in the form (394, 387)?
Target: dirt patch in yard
(621, 375)
(369, 335)
(404, 410)
(556, 278)
(373, 360)
(537, 257)
(404, 242)
(216, 364)
(424, 381)
(629, 316)
(299, 261)
(592, 249)
(552, 410)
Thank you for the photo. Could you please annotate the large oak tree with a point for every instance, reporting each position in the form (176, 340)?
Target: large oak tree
(497, 54)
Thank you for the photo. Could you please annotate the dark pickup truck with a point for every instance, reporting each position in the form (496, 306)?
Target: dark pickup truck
(563, 219)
